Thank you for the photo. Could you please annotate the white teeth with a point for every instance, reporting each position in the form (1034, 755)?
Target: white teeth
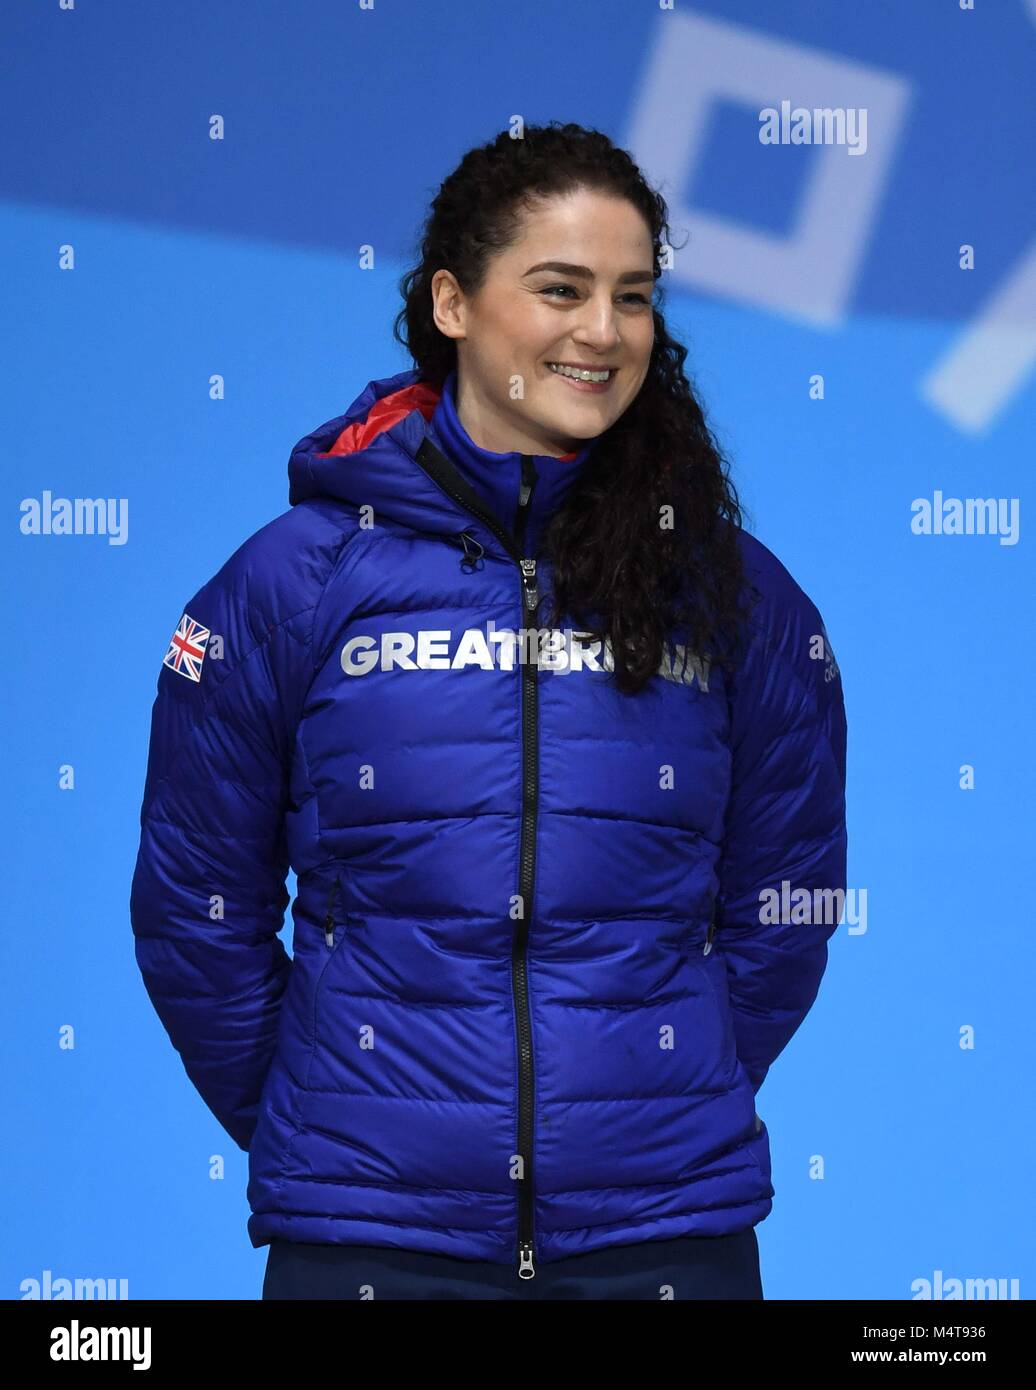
(578, 375)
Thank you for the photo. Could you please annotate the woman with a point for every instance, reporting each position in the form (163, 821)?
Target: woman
(541, 731)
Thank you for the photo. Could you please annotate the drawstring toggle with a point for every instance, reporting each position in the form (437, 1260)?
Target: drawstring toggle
(473, 552)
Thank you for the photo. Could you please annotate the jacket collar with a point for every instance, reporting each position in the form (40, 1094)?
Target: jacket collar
(371, 456)
(496, 478)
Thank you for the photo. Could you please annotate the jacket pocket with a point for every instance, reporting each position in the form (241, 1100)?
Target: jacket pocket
(334, 924)
(332, 915)
(714, 968)
(698, 936)
(338, 918)
(710, 936)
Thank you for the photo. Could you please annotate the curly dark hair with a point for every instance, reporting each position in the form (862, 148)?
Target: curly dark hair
(617, 569)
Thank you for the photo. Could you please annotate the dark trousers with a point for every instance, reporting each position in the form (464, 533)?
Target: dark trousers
(712, 1267)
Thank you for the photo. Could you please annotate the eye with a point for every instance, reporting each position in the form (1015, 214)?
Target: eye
(570, 289)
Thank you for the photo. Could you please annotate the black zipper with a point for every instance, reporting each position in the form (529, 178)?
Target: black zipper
(526, 875)
(443, 472)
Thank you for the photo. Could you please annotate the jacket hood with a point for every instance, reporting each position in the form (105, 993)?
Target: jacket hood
(369, 456)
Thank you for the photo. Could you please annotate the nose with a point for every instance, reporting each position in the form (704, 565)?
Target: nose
(598, 325)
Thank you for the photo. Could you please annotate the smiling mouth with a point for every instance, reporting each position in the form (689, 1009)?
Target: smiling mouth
(590, 374)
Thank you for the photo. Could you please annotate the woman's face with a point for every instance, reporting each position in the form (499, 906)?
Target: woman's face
(592, 309)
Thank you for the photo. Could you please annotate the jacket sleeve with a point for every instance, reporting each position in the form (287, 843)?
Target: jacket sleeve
(208, 894)
(785, 827)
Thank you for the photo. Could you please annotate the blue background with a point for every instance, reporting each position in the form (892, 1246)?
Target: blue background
(240, 257)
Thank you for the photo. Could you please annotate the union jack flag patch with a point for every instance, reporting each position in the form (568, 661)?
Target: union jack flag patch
(187, 648)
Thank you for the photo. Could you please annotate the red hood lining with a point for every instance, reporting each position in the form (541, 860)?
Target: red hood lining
(383, 414)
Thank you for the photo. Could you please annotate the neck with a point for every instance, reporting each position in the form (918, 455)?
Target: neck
(496, 475)
(489, 432)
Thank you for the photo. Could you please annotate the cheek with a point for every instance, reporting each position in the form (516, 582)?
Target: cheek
(647, 339)
(645, 360)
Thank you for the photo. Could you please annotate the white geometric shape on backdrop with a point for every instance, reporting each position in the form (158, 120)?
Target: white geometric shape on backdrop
(809, 273)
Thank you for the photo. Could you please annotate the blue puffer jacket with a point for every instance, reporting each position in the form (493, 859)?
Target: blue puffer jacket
(536, 982)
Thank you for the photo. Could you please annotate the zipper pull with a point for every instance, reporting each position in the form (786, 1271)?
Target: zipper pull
(329, 918)
(525, 1265)
(711, 934)
(532, 596)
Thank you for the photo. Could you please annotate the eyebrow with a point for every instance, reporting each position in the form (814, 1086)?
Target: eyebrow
(583, 272)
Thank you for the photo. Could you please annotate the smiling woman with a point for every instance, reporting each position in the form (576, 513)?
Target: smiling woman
(576, 341)
(537, 724)
(538, 290)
